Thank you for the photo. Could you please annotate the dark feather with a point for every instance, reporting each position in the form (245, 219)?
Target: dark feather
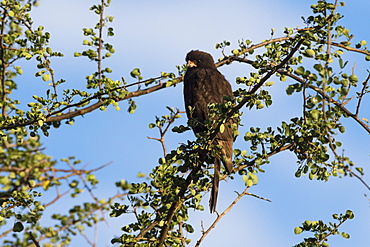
(215, 184)
(203, 85)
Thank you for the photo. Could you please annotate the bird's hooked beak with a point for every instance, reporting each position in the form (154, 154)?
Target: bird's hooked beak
(191, 64)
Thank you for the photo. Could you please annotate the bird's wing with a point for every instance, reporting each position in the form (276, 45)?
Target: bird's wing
(202, 87)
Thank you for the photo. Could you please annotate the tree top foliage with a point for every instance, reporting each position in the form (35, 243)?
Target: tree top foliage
(311, 60)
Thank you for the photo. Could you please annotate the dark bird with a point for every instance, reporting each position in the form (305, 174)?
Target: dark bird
(204, 84)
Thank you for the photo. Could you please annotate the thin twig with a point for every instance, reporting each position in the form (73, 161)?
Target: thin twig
(3, 65)
(54, 117)
(322, 93)
(259, 197)
(357, 176)
(331, 233)
(57, 198)
(163, 132)
(329, 99)
(275, 151)
(351, 48)
(361, 95)
(143, 232)
(100, 44)
(324, 105)
(68, 224)
(33, 239)
(213, 225)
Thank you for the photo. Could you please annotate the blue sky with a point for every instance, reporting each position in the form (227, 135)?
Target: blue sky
(155, 36)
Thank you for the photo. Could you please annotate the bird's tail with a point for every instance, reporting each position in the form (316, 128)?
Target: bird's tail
(226, 154)
(215, 183)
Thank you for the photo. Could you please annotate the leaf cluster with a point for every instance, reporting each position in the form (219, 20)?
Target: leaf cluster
(322, 231)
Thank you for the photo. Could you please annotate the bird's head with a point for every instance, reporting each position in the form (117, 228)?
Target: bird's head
(200, 59)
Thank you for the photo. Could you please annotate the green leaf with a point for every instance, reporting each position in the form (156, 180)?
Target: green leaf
(189, 228)
(235, 52)
(353, 79)
(222, 128)
(315, 114)
(135, 73)
(141, 175)
(269, 83)
(260, 106)
(309, 53)
(290, 90)
(350, 214)
(298, 230)
(249, 183)
(18, 227)
(344, 83)
(46, 77)
(299, 70)
(360, 170)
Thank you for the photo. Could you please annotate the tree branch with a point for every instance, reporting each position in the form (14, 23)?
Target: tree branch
(33, 239)
(328, 98)
(204, 234)
(351, 48)
(363, 91)
(53, 117)
(175, 204)
(320, 91)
